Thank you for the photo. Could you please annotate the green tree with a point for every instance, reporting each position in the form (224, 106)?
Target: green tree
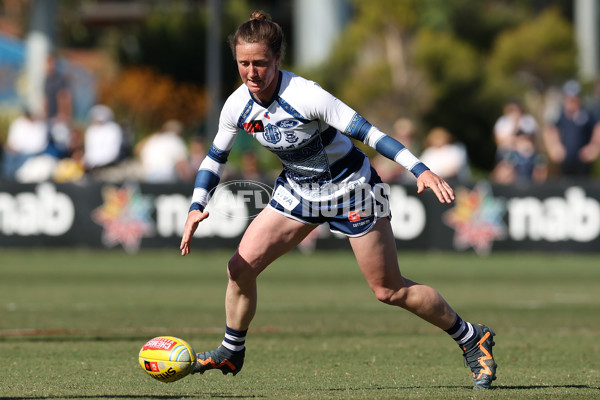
(535, 55)
(447, 63)
(454, 78)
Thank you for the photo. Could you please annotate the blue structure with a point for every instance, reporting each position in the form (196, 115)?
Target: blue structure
(12, 60)
(12, 65)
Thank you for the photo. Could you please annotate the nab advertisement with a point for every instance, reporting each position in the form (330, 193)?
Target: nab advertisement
(131, 216)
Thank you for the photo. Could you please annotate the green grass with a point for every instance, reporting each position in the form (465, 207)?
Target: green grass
(72, 323)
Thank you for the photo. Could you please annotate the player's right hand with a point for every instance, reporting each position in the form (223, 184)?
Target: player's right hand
(191, 224)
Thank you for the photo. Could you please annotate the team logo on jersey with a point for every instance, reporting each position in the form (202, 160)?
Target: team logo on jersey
(287, 123)
(290, 136)
(254, 126)
(272, 134)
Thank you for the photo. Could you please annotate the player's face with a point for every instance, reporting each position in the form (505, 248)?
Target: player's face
(258, 68)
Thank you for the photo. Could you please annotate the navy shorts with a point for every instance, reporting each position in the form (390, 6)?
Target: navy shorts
(352, 214)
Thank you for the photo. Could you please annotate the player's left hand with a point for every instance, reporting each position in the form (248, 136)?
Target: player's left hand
(440, 187)
(193, 219)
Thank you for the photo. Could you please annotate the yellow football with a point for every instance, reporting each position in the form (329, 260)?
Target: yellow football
(167, 358)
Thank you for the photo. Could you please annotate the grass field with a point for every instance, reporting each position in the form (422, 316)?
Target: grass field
(72, 323)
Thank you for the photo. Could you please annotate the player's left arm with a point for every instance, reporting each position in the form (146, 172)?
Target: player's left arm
(439, 186)
(335, 112)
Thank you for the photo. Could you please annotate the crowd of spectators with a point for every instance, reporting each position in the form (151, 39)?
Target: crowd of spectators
(44, 146)
(565, 146)
(573, 139)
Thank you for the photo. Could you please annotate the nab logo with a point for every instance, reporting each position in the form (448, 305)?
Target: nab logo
(254, 126)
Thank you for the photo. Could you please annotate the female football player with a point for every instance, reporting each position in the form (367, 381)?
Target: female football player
(325, 178)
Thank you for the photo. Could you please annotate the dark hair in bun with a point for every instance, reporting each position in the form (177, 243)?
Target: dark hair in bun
(259, 29)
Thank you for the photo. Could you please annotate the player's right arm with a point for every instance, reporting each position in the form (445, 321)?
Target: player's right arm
(207, 179)
(209, 175)
(191, 224)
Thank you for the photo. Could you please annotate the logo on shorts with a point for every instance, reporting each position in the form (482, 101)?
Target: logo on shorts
(354, 216)
(285, 198)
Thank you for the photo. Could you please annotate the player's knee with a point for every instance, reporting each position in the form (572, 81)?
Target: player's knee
(390, 296)
(240, 269)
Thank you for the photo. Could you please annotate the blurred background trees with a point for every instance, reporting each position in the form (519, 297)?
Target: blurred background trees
(437, 62)
(451, 63)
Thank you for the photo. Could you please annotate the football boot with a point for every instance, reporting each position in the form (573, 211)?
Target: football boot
(221, 358)
(479, 357)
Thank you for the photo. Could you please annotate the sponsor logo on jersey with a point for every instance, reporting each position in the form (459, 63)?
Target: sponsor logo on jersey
(254, 126)
(287, 123)
(267, 116)
(290, 136)
(159, 344)
(272, 134)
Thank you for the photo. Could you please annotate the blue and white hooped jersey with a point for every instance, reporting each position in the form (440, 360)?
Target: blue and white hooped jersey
(303, 126)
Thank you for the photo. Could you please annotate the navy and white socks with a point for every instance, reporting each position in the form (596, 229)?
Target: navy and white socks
(462, 332)
(234, 340)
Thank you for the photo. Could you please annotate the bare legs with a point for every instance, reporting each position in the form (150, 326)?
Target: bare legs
(271, 235)
(268, 237)
(377, 258)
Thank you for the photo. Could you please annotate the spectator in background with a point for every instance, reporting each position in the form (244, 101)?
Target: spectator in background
(103, 139)
(58, 106)
(522, 165)
(164, 155)
(250, 168)
(513, 120)
(388, 170)
(445, 156)
(197, 148)
(27, 139)
(573, 140)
